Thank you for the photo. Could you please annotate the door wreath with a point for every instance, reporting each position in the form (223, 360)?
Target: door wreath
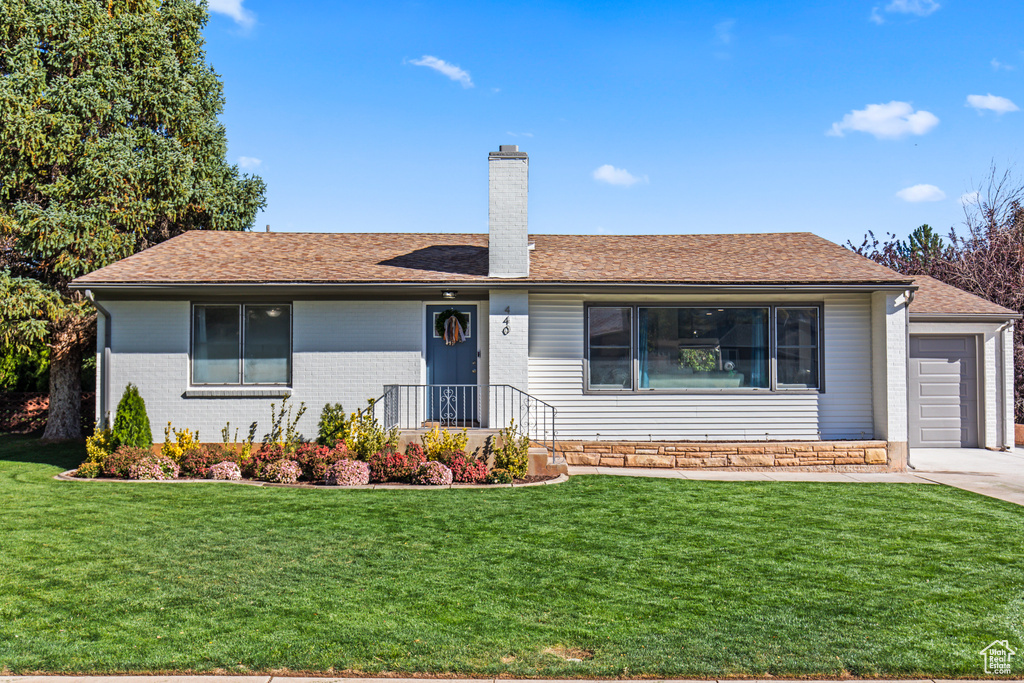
(451, 325)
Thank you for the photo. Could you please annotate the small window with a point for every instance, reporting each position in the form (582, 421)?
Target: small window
(610, 346)
(241, 344)
(215, 345)
(797, 347)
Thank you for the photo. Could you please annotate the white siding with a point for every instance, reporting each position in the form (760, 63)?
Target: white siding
(342, 352)
(556, 376)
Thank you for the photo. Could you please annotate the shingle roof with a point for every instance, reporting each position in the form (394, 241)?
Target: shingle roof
(344, 258)
(935, 297)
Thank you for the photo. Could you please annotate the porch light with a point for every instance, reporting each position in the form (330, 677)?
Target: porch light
(449, 294)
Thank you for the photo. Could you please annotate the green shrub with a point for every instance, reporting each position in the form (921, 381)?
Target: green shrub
(89, 470)
(333, 425)
(100, 444)
(514, 453)
(499, 476)
(131, 424)
(283, 428)
(366, 437)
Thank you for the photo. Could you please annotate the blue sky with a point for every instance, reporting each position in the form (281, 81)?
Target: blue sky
(639, 117)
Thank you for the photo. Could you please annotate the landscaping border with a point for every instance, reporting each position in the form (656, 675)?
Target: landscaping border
(66, 476)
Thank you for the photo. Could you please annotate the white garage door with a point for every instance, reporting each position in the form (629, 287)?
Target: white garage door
(943, 392)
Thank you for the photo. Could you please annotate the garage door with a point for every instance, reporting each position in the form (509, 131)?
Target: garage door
(943, 392)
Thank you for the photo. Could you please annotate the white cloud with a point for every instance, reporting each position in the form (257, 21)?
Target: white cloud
(969, 198)
(723, 31)
(450, 70)
(886, 121)
(876, 16)
(999, 105)
(921, 8)
(921, 193)
(234, 9)
(617, 176)
(249, 162)
(997, 65)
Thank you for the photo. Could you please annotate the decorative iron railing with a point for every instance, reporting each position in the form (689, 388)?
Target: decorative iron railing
(414, 406)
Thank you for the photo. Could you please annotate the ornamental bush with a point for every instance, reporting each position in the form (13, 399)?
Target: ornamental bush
(131, 423)
(392, 466)
(438, 441)
(499, 476)
(178, 443)
(333, 425)
(100, 445)
(118, 462)
(433, 473)
(225, 471)
(514, 453)
(314, 460)
(89, 470)
(347, 472)
(158, 467)
(260, 458)
(196, 462)
(280, 472)
(466, 469)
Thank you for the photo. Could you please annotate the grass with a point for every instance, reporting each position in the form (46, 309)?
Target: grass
(639, 577)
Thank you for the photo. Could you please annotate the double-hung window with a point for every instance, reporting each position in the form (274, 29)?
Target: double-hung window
(241, 344)
(662, 347)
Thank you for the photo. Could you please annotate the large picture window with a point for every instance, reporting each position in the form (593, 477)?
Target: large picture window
(241, 344)
(703, 348)
(678, 348)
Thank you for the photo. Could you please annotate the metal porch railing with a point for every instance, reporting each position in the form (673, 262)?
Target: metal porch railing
(414, 406)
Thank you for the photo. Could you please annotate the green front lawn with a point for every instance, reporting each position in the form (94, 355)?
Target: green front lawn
(640, 577)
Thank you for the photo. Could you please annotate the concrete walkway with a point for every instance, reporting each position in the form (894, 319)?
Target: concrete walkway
(988, 473)
(329, 679)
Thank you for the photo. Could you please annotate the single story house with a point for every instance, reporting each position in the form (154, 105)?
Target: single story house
(752, 350)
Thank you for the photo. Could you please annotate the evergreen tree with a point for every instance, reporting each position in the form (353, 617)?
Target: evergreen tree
(131, 423)
(110, 143)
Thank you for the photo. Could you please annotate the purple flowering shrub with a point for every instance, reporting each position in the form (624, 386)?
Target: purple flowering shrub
(433, 473)
(226, 470)
(158, 467)
(348, 473)
(280, 472)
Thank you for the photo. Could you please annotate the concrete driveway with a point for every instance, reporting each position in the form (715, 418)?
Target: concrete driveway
(990, 473)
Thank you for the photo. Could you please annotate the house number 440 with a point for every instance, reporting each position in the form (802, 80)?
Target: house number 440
(505, 330)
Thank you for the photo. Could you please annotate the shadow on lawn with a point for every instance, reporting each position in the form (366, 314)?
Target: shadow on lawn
(28, 448)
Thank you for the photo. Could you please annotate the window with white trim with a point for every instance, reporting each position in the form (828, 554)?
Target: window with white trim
(241, 344)
(638, 348)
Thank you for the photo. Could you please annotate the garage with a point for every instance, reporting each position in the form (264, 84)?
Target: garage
(943, 399)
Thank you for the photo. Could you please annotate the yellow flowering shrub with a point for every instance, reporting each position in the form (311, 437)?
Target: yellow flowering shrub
(100, 445)
(182, 442)
(438, 441)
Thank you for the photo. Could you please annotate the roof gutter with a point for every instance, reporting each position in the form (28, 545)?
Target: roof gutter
(504, 284)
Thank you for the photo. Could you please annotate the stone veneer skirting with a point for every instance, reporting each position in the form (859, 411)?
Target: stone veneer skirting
(806, 455)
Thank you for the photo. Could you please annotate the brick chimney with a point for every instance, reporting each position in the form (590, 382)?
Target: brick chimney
(507, 242)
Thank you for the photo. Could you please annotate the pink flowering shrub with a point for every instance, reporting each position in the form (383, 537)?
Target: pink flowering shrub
(466, 468)
(118, 463)
(280, 472)
(389, 465)
(157, 467)
(432, 473)
(226, 470)
(348, 473)
(314, 460)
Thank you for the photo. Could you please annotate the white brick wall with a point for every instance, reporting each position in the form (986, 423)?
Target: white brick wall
(889, 334)
(342, 352)
(508, 241)
(509, 353)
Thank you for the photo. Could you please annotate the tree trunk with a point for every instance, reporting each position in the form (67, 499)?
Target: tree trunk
(65, 419)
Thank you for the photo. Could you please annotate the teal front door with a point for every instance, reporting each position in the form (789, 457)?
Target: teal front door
(452, 394)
